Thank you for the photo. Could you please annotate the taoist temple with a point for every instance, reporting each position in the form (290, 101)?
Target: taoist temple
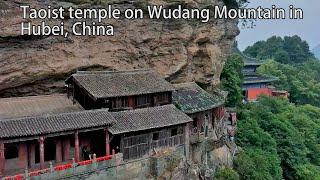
(134, 113)
(256, 84)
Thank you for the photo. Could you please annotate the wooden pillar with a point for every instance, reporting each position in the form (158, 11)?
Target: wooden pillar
(76, 147)
(131, 102)
(155, 100)
(2, 158)
(66, 149)
(199, 124)
(41, 150)
(187, 140)
(73, 93)
(31, 153)
(58, 150)
(23, 155)
(107, 143)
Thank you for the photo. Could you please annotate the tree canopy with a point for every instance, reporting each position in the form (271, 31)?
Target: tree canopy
(287, 50)
(231, 79)
(279, 140)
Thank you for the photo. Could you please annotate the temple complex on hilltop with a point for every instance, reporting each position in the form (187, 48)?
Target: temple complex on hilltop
(134, 114)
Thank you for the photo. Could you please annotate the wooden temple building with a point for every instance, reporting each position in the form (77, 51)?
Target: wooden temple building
(201, 106)
(130, 112)
(32, 142)
(119, 90)
(138, 132)
(256, 84)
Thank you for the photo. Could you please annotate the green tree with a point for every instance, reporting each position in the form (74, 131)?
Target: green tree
(225, 173)
(301, 81)
(258, 164)
(288, 50)
(281, 56)
(307, 172)
(292, 133)
(231, 79)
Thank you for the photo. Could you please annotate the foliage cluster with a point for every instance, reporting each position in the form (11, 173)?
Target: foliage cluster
(279, 140)
(301, 81)
(231, 80)
(287, 50)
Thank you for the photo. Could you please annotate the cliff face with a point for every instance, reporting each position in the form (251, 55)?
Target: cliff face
(178, 50)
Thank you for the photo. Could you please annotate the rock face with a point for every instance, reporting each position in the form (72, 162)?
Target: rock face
(179, 50)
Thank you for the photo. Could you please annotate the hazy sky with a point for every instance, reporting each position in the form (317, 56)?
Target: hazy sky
(308, 28)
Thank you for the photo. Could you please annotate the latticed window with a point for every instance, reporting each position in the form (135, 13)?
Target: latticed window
(120, 102)
(135, 146)
(143, 100)
(176, 131)
(162, 98)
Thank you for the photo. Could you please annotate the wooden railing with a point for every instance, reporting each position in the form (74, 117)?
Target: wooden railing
(57, 168)
(139, 150)
(170, 141)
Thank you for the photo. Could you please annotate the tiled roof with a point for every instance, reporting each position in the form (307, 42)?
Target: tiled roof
(36, 105)
(190, 98)
(248, 62)
(106, 84)
(41, 125)
(147, 118)
(256, 78)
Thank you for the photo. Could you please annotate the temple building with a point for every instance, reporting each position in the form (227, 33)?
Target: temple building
(139, 132)
(255, 84)
(119, 90)
(32, 142)
(133, 113)
(205, 109)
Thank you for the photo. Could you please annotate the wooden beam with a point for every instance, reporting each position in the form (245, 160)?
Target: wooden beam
(53, 135)
(107, 142)
(41, 150)
(2, 158)
(76, 147)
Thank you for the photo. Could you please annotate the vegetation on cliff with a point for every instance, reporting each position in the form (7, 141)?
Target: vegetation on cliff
(231, 80)
(279, 140)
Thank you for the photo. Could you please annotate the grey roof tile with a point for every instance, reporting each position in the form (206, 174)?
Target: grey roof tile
(104, 84)
(147, 118)
(17, 107)
(190, 98)
(256, 78)
(41, 125)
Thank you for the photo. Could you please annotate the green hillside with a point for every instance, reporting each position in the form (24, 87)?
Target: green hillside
(279, 139)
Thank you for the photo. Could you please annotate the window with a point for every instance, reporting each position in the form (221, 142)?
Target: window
(174, 131)
(143, 100)
(120, 102)
(195, 122)
(11, 152)
(163, 98)
(155, 136)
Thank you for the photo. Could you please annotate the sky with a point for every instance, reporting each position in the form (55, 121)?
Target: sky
(307, 28)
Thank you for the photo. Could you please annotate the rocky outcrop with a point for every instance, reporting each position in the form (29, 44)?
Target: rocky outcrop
(179, 50)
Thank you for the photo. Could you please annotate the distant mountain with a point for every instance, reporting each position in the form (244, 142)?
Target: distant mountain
(316, 51)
